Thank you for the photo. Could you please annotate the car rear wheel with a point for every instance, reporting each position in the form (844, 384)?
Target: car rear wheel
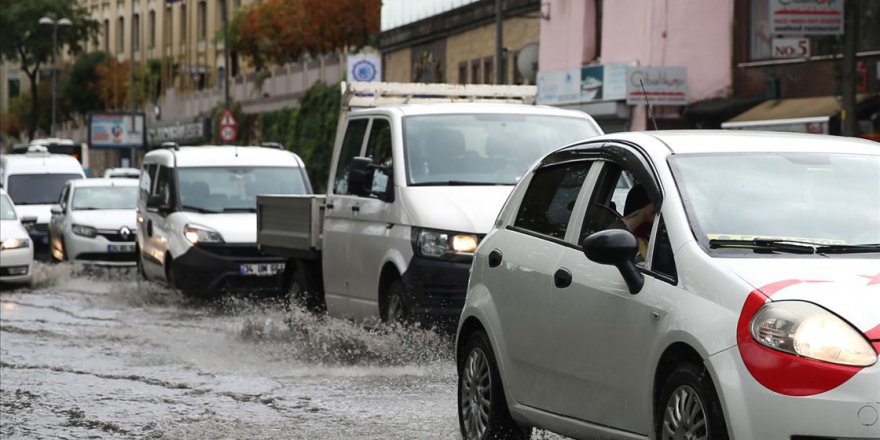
(482, 408)
(689, 407)
(139, 259)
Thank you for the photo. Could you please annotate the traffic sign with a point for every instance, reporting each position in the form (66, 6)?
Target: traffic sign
(228, 119)
(227, 133)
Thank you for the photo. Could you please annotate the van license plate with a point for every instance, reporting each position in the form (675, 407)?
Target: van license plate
(114, 248)
(261, 269)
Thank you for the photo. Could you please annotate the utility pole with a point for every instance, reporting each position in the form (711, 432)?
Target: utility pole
(132, 151)
(499, 44)
(226, 53)
(54, 24)
(849, 117)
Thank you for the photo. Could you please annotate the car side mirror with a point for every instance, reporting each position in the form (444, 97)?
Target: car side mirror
(360, 176)
(156, 202)
(28, 221)
(56, 210)
(618, 248)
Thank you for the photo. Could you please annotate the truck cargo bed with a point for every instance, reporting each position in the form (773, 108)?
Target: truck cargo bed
(290, 225)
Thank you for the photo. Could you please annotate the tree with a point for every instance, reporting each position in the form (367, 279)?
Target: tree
(24, 40)
(282, 31)
(79, 91)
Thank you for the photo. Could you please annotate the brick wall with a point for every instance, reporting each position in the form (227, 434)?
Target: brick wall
(479, 44)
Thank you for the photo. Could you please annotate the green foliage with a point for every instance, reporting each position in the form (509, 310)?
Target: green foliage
(25, 41)
(79, 92)
(20, 106)
(308, 131)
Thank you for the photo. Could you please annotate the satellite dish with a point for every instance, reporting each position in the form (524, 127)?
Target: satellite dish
(527, 62)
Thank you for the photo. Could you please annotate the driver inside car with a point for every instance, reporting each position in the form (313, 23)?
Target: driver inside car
(638, 216)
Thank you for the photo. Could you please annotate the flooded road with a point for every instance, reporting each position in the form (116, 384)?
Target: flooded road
(105, 356)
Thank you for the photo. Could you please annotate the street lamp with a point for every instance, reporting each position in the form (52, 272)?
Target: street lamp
(54, 24)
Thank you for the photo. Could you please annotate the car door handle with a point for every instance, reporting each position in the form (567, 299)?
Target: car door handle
(355, 208)
(562, 278)
(495, 258)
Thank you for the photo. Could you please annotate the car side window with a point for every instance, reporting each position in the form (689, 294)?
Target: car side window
(663, 260)
(145, 186)
(379, 149)
(351, 147)
(164, 187)
(549, 200)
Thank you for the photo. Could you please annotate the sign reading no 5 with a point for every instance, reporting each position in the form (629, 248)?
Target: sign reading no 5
(791, 47)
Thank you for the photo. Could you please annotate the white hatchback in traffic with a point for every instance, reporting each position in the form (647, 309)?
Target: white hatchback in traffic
(731, 291)
(16, 251)
(94, 222)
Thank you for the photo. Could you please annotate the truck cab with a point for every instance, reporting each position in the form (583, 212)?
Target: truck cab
(412, 189)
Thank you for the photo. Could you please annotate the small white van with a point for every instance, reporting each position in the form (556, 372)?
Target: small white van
(34, 181)
(196, 215)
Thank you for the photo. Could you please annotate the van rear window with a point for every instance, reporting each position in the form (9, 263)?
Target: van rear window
(37, 189)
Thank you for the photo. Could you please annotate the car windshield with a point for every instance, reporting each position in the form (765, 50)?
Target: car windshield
(826, 199)
(6, 211)
(37, 189)
(483, 149)
(230, 189)
(105, 197)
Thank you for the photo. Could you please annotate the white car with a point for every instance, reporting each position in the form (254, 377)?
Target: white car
(131, 173)
(734, 294)
(196, 211)
(16, 252)
(94, 222)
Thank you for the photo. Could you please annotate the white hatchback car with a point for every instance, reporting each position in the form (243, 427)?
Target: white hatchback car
(736, 294)
(95, 222)
(16, 251)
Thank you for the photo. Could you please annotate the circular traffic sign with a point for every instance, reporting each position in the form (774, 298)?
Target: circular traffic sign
(227, 133)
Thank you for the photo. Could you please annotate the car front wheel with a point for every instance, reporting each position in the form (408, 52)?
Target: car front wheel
(482, 408)
(689, 407)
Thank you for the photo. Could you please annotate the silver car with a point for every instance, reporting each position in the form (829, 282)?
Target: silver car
(94, 222)
(734, 292)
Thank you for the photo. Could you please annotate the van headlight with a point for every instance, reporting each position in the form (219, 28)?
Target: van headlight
(15, 243)
(85, 231)
(201, 234)
(805, 329)
(443, 244)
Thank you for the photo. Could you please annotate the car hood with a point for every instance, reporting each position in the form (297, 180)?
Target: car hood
(238, 227)
(41, 212)
(456, 208)
(12, 229)
(849, 287)
(105, 218)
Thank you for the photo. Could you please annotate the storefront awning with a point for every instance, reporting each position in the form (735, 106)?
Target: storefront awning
(802, 115)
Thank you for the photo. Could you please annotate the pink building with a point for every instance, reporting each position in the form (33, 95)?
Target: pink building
(694, 34)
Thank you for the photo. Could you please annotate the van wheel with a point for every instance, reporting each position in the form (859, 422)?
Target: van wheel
(396, 311)
(300, 289)
(139, 260)
(482, 407)
(689, 407)
(170, 278)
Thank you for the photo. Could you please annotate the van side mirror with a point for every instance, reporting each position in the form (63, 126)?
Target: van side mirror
(618, 248)
(27, 222)
(56, 210)
(157, 202)
(360, 176)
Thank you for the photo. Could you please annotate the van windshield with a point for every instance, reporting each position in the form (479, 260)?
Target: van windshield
(105, 197)
(235, 189)
(6, 211)
(37, 189)
(484, 149)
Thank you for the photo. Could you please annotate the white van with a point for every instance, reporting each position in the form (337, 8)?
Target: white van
(34, 181)
(196, 215)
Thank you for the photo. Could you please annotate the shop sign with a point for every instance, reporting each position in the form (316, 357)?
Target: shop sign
(660, 85)
(116, 130)
(791, 47)
(806, 17)
(583, 84)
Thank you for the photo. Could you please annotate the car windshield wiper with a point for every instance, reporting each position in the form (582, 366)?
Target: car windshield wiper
(239, 209)
(200, 209)
(85, 208)
(460, 183)
(848, 248)
(767, 245)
